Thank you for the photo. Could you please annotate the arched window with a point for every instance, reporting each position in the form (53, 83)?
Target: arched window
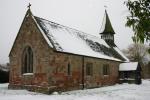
(27, 60)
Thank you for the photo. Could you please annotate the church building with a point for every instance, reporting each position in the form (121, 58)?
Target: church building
(47, 57)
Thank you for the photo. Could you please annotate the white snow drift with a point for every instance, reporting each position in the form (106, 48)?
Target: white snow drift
(116, 92)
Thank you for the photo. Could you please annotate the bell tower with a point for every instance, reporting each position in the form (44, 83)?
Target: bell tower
(107, 31)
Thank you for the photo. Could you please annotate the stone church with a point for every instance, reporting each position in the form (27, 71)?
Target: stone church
(47, 57)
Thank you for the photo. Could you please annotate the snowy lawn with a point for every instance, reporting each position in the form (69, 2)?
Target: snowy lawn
(116, 92)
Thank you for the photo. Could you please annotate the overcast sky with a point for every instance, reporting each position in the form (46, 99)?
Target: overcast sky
(84, 15)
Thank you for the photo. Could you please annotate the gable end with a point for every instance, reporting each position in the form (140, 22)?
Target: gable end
(28, 15)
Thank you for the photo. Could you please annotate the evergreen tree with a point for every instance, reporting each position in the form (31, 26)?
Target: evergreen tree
(139, 19)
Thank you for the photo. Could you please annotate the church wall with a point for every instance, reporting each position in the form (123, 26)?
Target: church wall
(97, 79)
(63, 81)
(58, 73)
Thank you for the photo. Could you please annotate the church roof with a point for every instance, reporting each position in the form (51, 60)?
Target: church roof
(106, 27)
(68, 40)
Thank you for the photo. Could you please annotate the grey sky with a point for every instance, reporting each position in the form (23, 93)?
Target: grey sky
(84, 15)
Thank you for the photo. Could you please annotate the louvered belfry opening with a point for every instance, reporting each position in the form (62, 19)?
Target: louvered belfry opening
(27, 60)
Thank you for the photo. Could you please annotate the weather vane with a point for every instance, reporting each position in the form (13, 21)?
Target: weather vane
(105, 6)
(29, 5)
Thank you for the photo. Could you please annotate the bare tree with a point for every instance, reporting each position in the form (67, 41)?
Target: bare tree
(138, 52)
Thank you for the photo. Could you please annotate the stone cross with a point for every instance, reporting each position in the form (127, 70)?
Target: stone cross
(29, 5)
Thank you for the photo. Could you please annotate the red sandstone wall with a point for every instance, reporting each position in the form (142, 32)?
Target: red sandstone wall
(29, 35)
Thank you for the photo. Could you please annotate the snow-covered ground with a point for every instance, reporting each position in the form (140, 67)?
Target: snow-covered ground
(116, 92)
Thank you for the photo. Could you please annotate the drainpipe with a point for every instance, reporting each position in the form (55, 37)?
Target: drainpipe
(83, 72)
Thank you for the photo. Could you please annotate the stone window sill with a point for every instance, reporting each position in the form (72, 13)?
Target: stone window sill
(28, 74)
(106, 75)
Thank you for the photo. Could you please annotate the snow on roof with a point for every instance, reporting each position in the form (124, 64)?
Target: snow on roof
(118, 50)
(128, 66)
(65, 39)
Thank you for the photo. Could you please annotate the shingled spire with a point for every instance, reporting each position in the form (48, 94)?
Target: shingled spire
(107, 31)
(107, 27)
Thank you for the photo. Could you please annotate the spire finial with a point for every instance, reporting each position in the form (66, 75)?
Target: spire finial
(29, 5)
